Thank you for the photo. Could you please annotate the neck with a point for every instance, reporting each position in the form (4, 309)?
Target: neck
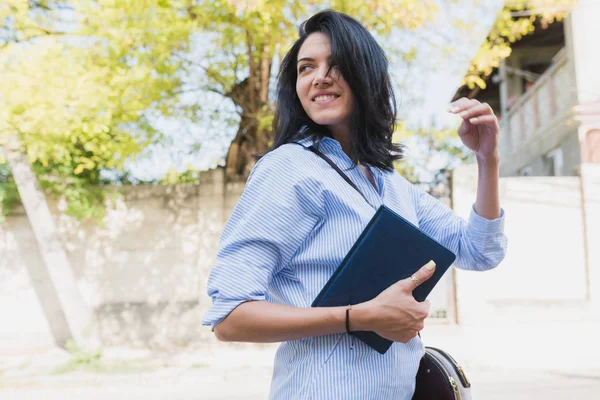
(341, 133)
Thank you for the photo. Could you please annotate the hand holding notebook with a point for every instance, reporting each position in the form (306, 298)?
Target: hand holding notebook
(395, 314)
(390, 249)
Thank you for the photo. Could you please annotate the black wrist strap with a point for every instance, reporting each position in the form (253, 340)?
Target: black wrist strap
(348, 320)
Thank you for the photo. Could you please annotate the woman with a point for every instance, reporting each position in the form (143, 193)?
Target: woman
(297, 219)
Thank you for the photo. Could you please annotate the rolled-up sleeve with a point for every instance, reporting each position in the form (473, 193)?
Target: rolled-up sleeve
(275, 214)
(479, 243)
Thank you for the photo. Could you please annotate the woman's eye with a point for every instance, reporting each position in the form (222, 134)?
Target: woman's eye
(303, 68)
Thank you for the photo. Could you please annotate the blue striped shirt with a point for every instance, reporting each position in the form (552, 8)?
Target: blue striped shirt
(293, 225)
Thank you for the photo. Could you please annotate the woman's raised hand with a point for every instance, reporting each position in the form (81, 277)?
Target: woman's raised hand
(479, 128)
(395, 314)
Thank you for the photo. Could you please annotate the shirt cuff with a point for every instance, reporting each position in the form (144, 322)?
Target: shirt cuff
(483, 230)
(221, 308)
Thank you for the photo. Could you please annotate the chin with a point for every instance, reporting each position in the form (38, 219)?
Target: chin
(327, 121)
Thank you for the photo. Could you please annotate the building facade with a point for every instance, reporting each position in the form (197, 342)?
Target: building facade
(547, 96)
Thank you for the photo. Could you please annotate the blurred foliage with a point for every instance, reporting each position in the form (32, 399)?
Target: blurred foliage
(93, 361)
(23, 20)
(82, 79)
(82, 356)
(250, 36)
(439, 150)
(248, 31)
(81, 99)
(508, 29)
(173, 177)
(109, 65)
(9, 196)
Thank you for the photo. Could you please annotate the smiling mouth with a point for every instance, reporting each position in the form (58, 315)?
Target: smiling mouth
(325, 98)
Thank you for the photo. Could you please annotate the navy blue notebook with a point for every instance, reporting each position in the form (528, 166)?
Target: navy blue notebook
(389, 249)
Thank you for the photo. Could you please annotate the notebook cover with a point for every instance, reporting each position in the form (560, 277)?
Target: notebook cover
(389, 249)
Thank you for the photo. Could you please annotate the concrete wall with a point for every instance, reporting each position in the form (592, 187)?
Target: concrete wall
(551, 255)
(540, 165)
(591, 193)
(145, 270)
(590, 149)
(582, 29)
(571, 155)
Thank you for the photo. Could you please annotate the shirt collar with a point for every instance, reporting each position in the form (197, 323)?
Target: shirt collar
(332, 149)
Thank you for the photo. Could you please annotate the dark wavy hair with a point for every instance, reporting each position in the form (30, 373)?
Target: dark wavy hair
(363, 64)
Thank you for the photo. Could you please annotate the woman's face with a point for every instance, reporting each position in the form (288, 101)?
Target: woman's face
(328, 99)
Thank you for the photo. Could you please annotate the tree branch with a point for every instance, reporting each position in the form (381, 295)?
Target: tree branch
(265, 71)
(216, 91)
(194, 90)
(251, 82)
(211, 75)
(44, 33)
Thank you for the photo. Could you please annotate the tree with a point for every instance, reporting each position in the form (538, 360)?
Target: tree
(22, 21)
(66, 312)
(88, 108)
(251, 35)
(91, 107)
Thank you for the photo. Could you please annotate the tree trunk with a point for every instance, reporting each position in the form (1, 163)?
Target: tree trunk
(67, 314)
(251, 95)
(240, 160)
(249, 139)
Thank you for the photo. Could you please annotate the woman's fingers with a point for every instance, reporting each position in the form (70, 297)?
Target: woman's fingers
(462, 104)
(477, 110)
(484, 119)
(411, 283)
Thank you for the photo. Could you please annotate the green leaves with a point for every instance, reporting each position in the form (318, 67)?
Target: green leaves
(439, 151)
(384, 15)
(23, 20)
(81, 78)
(81, 103)
(9, 195)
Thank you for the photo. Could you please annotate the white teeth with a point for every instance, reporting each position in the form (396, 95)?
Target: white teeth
(326, 97)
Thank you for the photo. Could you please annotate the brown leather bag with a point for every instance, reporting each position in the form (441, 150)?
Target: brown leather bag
(440, 377)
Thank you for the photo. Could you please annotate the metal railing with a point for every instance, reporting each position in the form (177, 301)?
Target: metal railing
(542, 106)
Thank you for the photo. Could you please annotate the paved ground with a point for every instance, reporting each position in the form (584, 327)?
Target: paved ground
(491, 385)
(516, 358)
(249, 383)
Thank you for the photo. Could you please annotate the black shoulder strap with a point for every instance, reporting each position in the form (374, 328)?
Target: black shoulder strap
(338, 170)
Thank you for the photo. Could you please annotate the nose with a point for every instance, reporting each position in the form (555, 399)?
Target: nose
(321, 78)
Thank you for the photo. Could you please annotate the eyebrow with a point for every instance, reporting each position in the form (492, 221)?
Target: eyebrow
(310, 59)
(305, 59)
